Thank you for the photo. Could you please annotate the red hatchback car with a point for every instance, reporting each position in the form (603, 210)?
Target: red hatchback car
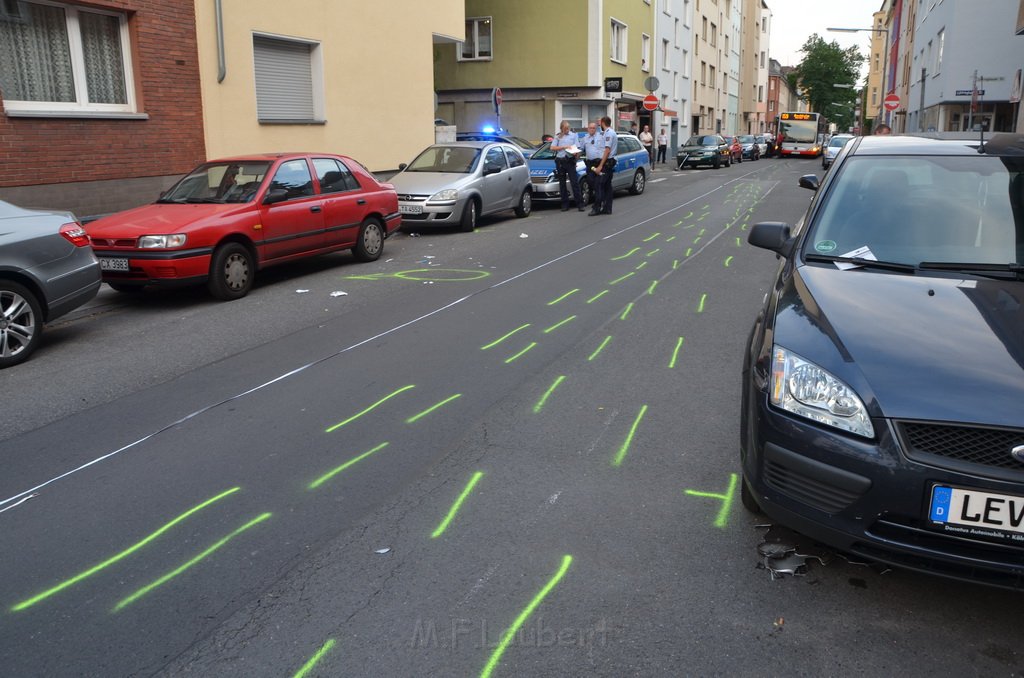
(228, 218)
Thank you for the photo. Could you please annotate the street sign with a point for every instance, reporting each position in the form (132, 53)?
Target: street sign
(651, 84)
(612, 85)
(496, 99)
(891, 102)
(968, 92)
(650, 103)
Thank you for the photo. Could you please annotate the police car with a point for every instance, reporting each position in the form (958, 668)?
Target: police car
(632, 167)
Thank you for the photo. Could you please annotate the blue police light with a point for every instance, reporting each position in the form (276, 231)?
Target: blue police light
(487, 129)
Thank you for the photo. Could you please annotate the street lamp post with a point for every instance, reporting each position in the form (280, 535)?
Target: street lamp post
(885, 57)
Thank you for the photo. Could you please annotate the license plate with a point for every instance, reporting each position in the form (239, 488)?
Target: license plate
(978, 513)
(410, 209)
(113, 264)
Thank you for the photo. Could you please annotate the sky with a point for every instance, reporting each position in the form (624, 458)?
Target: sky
(793, 21)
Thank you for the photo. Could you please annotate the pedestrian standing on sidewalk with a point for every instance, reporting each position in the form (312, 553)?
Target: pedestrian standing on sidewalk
(609, 143)
(647, 139)
(662, 146)
(565, 165)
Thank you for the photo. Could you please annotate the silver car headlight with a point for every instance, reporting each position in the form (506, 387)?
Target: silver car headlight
(162, 241)
(801, 387)
(447, 195)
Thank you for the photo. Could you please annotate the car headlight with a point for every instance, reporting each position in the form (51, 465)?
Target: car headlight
(446, 195)
(801, 387)
(161, 241)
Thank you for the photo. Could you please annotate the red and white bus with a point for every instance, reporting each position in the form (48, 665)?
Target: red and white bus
(801, 134)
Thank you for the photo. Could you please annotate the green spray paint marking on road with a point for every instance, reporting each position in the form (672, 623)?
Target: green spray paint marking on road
(675, 264)
(679, 223)
(702, 231)
(618, 280)
(727, 260)
(513, 358)
(641, 266)
(706, 207)
(599, 348)
(701, 218)
(650, 290)
(501, 339)
(688, 251)
(544, 398)
(567, 294)
(625, 313)
(651, 237)
(187, 564)
(624, 449)
(627, 254)
(739, 242)
(597, 296)
(458, 502)
(723, 514)
(675, 354)
(559, 324)
(703, 298)
(696, 240)
(656, 250)
(510, 632)
(413, 419)
(120, 556)
(368, 409)
(671, 239)
(333, 472)
(308, 666)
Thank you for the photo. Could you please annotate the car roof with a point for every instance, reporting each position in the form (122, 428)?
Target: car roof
(271, 157)
(466, 143)
(908, 145)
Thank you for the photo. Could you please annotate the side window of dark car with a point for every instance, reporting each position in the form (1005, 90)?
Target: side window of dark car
(333, 176)
(514, 158)
(495, 158)
(293, 176)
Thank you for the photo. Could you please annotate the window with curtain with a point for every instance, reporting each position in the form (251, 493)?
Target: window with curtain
(63, 58)
(477, 46)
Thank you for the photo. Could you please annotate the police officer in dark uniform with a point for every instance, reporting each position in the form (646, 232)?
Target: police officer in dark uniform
(565, 165)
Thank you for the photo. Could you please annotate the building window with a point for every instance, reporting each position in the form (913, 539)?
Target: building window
(704, 29)
(771, 105)
(675, 85)
(874, 96)
(61, 58)
(645, 52)
(618, 33)
(760, 93)
(711, 76)
(703, 73)
(477, 46)
(686, 63)
(938, 52)
(764, 24)
(664, 6)
(714, 35)
(877, 62)
(686, 13)
(664, 54)
(726, 43)
(762, 59)
(675, 33)
(289, 80)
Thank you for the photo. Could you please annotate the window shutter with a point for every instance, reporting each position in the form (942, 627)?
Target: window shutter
(284, 80)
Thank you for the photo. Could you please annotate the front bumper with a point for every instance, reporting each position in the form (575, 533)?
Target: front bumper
(158, 267)
(868, 498)
(694, 161)
(440, 214)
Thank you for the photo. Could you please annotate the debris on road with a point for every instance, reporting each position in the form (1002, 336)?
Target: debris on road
(783, 551)
(523, 235)
(339, 293)
(386, 549)
(301, 291)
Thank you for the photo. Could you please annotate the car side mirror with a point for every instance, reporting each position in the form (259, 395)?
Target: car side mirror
(401, 166)
(772, 235)
(275, 195)
(808, 181)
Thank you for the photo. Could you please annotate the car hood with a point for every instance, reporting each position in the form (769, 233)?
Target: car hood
(428, 183)
(163, 218)
(930, 348)
(695, 149)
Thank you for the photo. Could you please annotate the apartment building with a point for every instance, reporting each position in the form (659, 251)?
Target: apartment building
(874, 88)
(732, 45)
(709, 111)
(754, 67)
(674, 42)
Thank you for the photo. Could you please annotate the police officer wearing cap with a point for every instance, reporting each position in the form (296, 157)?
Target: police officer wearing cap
(565, 165)
(609, 143)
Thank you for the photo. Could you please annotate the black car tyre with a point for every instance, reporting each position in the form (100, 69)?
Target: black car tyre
(525, 203)
(747, 497)
(370, 242)
(717, 163)
(639, 183)
(21, 323)
(231, 272)
(468, 222)
(584, 193)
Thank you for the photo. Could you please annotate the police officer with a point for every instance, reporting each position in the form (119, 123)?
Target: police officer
(565, 165)
(591, 156)
(605, 168)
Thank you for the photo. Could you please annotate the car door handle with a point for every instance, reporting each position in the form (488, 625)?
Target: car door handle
(315, 208)
(360, 201)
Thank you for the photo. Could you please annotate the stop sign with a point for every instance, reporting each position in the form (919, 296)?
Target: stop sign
(891, 102)
(650, 103)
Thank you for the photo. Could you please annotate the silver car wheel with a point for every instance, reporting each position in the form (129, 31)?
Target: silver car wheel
(17, 323)
(236, 271)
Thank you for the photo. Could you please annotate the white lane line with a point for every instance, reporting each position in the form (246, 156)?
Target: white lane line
(654, 181)
(385, 333)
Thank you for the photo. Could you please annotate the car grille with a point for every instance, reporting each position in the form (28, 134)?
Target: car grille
(811, 491)
(973, 449)
(113, 242)
(412, 197)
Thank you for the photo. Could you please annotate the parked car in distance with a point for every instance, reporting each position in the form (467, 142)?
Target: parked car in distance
(525, 146)
(632, 167)
(229, 218)
(762, 145)
(456, 183)
(749, 147)
(704, 149)
(883, 382)
(47, 269)
(835, 144)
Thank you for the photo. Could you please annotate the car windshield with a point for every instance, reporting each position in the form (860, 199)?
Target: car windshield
(838, 142)
(219, 182)
(967, 209)
(544, 152)
(450, 159)
(746, 139)
(523, 144)
(702, 141)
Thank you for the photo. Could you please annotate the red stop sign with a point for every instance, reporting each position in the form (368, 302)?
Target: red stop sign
(891, 102)
(650, 103)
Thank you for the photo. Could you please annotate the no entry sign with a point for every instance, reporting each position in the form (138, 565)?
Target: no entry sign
(891, 102)
(650, 102)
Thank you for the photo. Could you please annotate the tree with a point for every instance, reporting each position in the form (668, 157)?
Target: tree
(827, 79)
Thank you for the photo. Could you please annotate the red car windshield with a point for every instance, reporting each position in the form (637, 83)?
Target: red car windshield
(219, 182)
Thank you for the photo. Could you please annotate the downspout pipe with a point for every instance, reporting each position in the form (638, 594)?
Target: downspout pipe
(222, 69)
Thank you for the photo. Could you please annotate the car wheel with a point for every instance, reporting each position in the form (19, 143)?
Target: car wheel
(525, 203)
(584, 193)
(231, 272)
(468, 222)
(370, 243)
(639, 183)
(21, 323)
(747, 497)
(717, 163)
(125, 289)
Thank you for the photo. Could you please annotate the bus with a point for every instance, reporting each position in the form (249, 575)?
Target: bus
(801, 134)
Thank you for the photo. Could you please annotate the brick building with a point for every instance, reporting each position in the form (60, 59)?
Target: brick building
(100, 104)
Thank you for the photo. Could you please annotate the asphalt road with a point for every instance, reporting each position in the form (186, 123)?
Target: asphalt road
(530, 427)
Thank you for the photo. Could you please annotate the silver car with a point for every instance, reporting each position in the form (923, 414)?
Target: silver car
(47, 269)
(835, 144)
(456, 183)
